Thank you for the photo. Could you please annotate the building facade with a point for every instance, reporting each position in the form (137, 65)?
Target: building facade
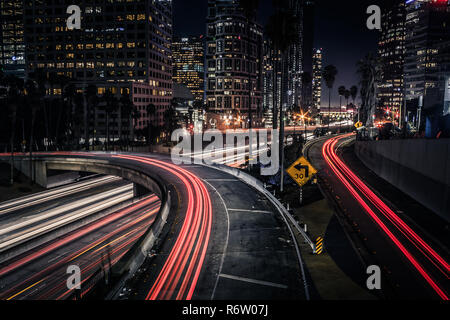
(188, 64)
(12, 39)
(317, 81)
(268, 84)
(299, 57)
(234, 62)
(122, 47)
(391, 50)
(426, 64)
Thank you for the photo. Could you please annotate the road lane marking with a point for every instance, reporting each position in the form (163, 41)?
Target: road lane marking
(28, 288)
(251, 211)
(226, 240)
(254, 281)
(222, 180)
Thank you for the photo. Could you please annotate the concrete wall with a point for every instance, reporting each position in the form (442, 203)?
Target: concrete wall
(420, 168)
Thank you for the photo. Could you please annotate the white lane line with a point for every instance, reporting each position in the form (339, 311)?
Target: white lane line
(254, 281)
(225, 248)
(252, 211)
(15, 225)
(52, 194)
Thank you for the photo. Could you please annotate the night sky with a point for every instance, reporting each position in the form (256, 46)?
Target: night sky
(340, 30)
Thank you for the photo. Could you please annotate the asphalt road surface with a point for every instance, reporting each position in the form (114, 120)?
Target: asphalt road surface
(412, 267)
(223, 240)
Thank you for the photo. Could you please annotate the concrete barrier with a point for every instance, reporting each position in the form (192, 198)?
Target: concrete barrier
(419, 168)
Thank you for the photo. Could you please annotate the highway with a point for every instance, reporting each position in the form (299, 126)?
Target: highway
(414, 267)
(43, 230)
(221, 241)
(41, 273)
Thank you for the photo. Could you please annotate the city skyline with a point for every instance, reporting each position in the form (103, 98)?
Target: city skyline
(219, 151)
(337, 27)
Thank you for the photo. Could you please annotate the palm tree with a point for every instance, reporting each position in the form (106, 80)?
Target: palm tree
(306, 83)
(151, 112)
(111, 105)
(249, 8)
(354, 94)
(91, 106)
(33, 96)
(127, 109)
(39, 76)
(329, 75)
(282, 31)
(13, 101)
(370, 72)
(170, 120)
(347, 97)
(341, 91)
(69, 94)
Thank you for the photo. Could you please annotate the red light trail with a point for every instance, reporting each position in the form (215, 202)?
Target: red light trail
(350, 180)
(139, 217)
(189, 252)
(181, 271)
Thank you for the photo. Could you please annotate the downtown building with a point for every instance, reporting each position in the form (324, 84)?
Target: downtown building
(268, 83)
(391, 50)
(299, 58)
(234, 65)
(188, 65)
(122, 47)
(288, 83)
(317, 69)
(427, 62)
(12, 38)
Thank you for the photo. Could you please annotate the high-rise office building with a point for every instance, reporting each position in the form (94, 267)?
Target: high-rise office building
(391, 50)
(234, 54)
(268, 84)
(12, 41)
(188, 64)
(299, 58)
(426, 66)
(122, 46)
(317, 81)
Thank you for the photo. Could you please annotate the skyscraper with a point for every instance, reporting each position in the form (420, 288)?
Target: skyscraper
(123, 47)
(317, 81)
(268, 84)
(391, 49)
(188, 64)
(234, 53)
(299, 59)
(426, 59)
(12, 40)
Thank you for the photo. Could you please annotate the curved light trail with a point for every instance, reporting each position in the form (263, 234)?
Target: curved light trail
(352, 182)
(180, 273)
(134, 221)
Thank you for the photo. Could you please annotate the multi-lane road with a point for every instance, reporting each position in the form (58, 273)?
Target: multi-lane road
(42, 234)
(413, 265)
(222, 240)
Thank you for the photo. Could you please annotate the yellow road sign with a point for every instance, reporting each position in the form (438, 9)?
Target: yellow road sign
(358, 125)
(301, 171)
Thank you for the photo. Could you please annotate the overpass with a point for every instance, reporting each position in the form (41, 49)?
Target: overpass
(218, 234)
